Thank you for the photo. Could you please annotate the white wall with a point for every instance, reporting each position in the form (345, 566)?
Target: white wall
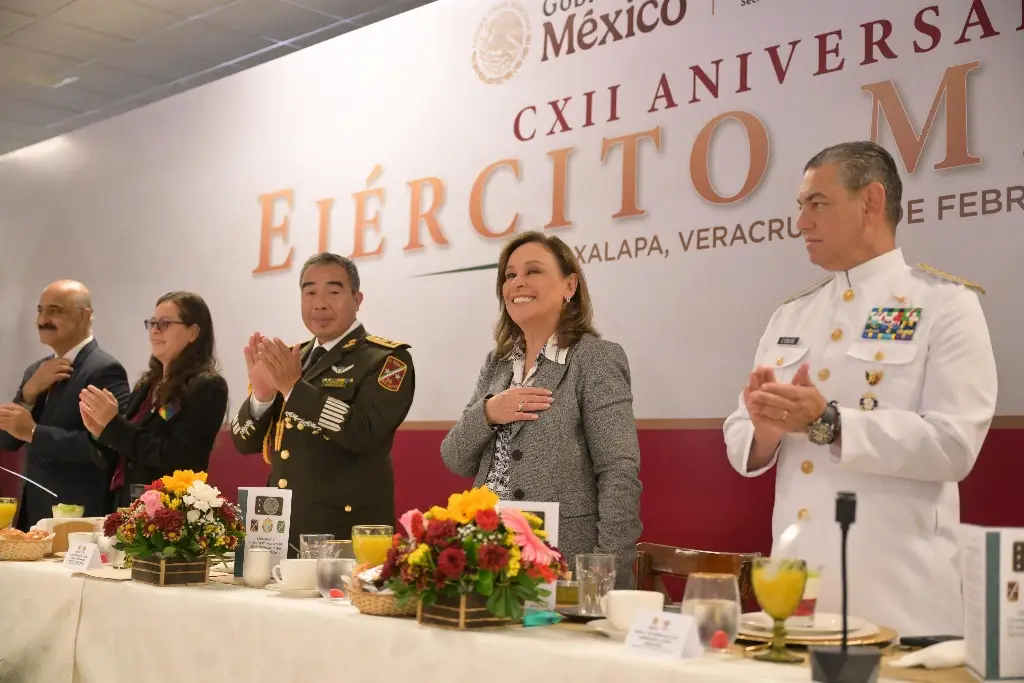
(167, 197)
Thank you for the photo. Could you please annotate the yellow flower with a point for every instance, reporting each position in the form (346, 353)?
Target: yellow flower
(181, 480)
(513, 561)
(462, 507)
(438, 513)
(175, 504)
(541, 534)
(535, 521)
(420, 556)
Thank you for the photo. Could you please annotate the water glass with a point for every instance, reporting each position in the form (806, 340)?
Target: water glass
(713, 600)
(595, 574)
(334, 572)
(310, 544)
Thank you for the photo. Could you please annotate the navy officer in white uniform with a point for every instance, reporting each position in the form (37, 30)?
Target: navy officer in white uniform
(880, 380)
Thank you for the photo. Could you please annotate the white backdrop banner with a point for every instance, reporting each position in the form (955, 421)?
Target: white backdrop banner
(663, 139)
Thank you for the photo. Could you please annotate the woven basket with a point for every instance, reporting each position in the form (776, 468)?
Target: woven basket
(24, 551)
(376, 604)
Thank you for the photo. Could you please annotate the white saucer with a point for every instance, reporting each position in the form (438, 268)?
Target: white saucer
(293, 593)
(605, 628)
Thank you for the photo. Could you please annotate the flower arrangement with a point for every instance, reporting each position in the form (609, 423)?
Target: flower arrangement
(472, 547)
(178, 516)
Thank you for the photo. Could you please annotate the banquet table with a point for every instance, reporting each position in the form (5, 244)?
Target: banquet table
(61, 628)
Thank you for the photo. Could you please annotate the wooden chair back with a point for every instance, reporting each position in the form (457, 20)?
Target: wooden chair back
(657, 561)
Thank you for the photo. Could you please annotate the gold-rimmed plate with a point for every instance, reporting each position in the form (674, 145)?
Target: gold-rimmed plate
(878, 635)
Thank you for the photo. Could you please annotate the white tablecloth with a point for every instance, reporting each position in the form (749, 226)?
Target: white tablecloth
(55, 628)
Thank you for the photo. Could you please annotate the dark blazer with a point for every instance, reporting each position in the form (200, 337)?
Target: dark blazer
(157, 447)
(330, 442)
(61, 456)
(582, 453)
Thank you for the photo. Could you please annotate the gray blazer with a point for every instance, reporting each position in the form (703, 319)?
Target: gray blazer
(583, 452)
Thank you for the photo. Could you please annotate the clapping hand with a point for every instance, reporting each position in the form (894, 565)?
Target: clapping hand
(782, 408)
(519, 403)
(259, 377)
(17, 421)
(283, 364)
(97, 407)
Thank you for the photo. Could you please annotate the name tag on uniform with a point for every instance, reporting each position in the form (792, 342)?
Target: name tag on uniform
(788, 341)
(335, 382)
(892, 323)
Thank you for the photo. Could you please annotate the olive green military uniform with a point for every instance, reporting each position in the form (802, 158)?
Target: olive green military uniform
(330, 442)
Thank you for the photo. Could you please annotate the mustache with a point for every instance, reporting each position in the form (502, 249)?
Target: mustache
(47, 326)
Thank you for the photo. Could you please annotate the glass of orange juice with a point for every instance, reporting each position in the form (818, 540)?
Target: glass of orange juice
(8, 508)
(371, 542)
(779, 588)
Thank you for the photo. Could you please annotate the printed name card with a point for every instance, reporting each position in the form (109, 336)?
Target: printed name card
(664, 634)
(267, 514)
(83, 556)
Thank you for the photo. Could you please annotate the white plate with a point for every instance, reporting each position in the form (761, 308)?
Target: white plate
(605, 628)
(824, 624)
(292, 593)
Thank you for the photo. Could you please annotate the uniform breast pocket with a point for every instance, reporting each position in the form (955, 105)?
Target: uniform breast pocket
(892, 373)
(785, 360)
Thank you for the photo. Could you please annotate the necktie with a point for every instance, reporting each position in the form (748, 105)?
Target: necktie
(314, 357)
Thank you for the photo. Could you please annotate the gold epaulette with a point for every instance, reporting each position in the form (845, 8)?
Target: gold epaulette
(925, 268)
(386, 343)
(813, 288)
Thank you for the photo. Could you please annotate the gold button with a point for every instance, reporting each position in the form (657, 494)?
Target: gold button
(823, 375)
(779, 360)
(285, 455)
(348, 508)
(837, 334)
(282, 483)
(807, 467)
(879, 356)
(848, 295)
(803, 514)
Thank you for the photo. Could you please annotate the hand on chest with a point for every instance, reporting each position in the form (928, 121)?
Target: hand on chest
(866, 350)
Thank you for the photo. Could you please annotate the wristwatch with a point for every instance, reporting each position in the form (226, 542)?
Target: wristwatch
(825, 430)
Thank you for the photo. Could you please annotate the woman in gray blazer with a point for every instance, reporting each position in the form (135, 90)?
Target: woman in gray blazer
(552, 415)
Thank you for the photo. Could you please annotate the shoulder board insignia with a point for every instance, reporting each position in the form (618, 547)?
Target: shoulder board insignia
(386, 343)
(813, 288)
(949, 277)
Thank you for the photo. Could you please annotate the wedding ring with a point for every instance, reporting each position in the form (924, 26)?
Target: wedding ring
(785, 415)
(520, 406)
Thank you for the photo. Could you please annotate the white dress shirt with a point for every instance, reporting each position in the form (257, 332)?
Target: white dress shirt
(257, 408)
(73, 353)
(914, 412)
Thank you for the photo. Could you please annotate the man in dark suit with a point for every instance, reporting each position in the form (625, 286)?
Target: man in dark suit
(324, 413)
(45, 412)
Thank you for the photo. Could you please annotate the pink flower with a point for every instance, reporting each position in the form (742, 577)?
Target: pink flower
(151, 499)
(534, 549)
(409, 523)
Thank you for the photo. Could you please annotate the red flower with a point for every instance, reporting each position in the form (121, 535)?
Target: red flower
(390, 564)
(418, 529)
(439, 532)
(168, 521)
(492, 557)
(228, 513)
(111, 523)
(451, 562)
(487, 519)
(155, 486)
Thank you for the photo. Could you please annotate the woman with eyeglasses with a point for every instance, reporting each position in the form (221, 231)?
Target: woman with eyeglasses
(176, 408)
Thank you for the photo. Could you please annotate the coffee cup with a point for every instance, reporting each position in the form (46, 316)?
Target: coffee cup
(619, 606)
(296, 574)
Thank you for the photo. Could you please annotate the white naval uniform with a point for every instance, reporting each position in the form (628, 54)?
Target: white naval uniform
(902, 452)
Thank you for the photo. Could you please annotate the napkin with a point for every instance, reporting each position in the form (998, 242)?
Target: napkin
(939, 656)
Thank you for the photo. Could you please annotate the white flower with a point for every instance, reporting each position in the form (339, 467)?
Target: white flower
(192, 516)
(202, 496)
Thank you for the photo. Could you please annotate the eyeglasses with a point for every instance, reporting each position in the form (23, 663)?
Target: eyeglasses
(160, 325)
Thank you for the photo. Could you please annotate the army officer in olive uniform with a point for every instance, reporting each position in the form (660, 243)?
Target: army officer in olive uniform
(324, 413)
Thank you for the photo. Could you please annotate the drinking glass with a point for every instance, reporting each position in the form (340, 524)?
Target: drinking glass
(595, 573)
(713, 600)
(310, 544)
(8, 508)
(779, 588)
(371, 543)
(334, 572)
